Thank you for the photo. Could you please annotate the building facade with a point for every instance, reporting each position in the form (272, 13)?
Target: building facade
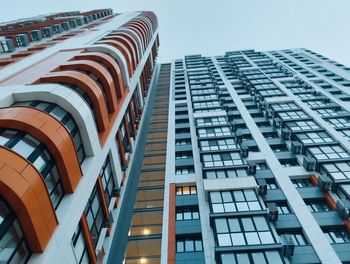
(73, 89)
(108, 157)
(252, 165)
(258, 156)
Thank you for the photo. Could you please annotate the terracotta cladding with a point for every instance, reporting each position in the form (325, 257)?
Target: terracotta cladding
(50, 132)
(111, 65)
(101, 72)
(24, 189)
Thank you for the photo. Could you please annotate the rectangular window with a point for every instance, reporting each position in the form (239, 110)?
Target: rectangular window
(108, 181)
(94, 215)
(79, 245)
(243, 231)
(186, 190)
(234, 201)
(188, 244)
(187, 214)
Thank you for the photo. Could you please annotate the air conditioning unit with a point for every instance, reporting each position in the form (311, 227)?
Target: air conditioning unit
(277, 122)
(245, 151)
(262, 105)
(342, 208)
(296, 147)
(309, 163)
(272, 212)
(262, 186)
(124, 167)
(116, 192)
(324, 183)
(257, 98)
(287, 245)
(285, 134)
(233, 126)
(268, 113)
(238, 137)
(252, 169)
(128, 148)
(107, 222)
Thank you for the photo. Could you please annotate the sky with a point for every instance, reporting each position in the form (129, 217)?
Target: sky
(211, 27)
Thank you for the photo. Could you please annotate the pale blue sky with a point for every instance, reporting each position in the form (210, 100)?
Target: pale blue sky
(213, 27)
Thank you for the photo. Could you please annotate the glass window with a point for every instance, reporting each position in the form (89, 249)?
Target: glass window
(255, 257)
(187, 214)
(35, 152)
(243, 231)
(107, 178)
(94, 215)
(337, 236)
(13, 245)
(222, 159)
(80, 248)
(186, 190)
(234, 201)
(188, 244)
(62, 116)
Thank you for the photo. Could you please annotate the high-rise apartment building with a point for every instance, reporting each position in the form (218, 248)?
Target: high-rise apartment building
(108, 157)
(252, 166)
(73, 89)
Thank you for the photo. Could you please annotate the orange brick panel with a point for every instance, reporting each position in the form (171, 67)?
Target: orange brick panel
(50, 132)
(24, 189)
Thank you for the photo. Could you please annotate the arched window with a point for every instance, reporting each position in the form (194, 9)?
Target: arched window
(35, 152)
(65, 118)
(13, 245)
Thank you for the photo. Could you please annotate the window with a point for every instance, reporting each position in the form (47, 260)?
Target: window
(337, 236)
(256, 257)
(318, 206)
(186, 190)
(183, 155)
(63, 117)
(340, 122)
(84, 96)
(283, 208)
(261, 166)
(36, 153)
(13, 245)
(302, 183)
(328, 153)
(298, 238)
(210, 121)
(243, 231)
(292, 115)
(94, 214)
(182, 142)
(222, 159)
(326, 112)
(188, 244)
(346, 133)
(314, 137)
(79, 245)
(229, 173)
(221, 144)
(337, 170)
(214, 132)
(107, 179)
(296, 126)
(184, 170)
(187, 214)
(234, 201)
